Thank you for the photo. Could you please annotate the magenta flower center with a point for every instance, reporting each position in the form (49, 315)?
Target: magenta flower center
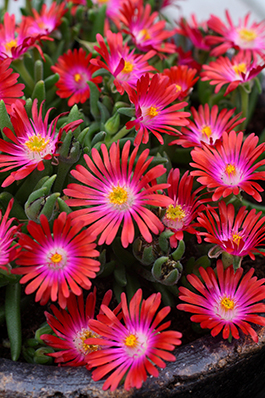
(10, 44)
(227, 304)
(174, 217)
(247, 34)
(206, 130)
(144, 34)
(135, 345)
(128, 67)
(240, 68)
(37, 143)
(152, 111)
(236, 238)
(131, 341)
(57, 259)
(80, 338)
(118, 196)
(178, 87)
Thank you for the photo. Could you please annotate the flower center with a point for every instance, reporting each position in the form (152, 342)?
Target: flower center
(37, 143)
(56, 258)
(227, 304)
(152, 111)
(10, 44)
(175, 213)
(207, 131)
(118, 196)
(236, 238)
(80, 341)
(131, 341)
(247, 34)
(240, 68)
(178, 87)
(145, 34)
(230, 169)
(77, 77)
(128, 67)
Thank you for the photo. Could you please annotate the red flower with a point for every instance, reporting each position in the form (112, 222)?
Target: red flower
(10, 89)
(9, 251)
(46, 21)
(194, 32)
(184, 79)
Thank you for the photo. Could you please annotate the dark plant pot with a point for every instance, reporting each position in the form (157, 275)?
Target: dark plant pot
(208, 367)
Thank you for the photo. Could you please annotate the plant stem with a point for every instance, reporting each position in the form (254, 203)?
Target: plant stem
(21, 69)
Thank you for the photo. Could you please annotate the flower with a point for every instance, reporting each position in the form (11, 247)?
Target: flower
(75, 70)
(193, 31)
(180, 215)
(10, 89)
(230, 166)
(244, 36)
(147, 34)
(224, 302)
(184, 79)
(239, 234)
(71, 329)
(47, 20)
(239, 70)
(31, 143)
(9, 251)
(56, 262)
(152, 113)
(134, 348)
(208, 126)
(114, 193)
(123, 64)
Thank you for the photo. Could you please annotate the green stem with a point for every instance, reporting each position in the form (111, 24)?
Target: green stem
(6, 6)
(120, 134)
(21, 69)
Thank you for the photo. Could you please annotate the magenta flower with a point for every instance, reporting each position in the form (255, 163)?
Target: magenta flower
(9, 251)
(225, 302)
(47, 20)
(132, 348)
(115, 193)
(231, 166)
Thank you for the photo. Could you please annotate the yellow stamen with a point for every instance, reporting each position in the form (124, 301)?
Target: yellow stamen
(227, 303)
(145, 34)
(230, 169)
(10, 44)
(236, 238)
(37, 143)
(102, 1)
(178, 87)
(207, 131)
(77, 77)
(88, 347)
(175, 213)
(118, 196)
(56, 258)
(128, 67)
(247, 34)
(153, 111)
(131, 341)
(240, 68)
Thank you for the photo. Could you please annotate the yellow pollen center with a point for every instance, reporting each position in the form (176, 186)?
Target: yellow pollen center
(247, 34)
(240, 68)
(207, 131)
(56, 258)
(178, 87)
(77, 77)
(10, 44)
(128, 67)
(152, 112)
(37, 143)
(102, 1)
(131, 341)
(230, 169)
(236, 238)
(145, 34)
(227, 303)
(88, 347)
(118, 196)
(175, 213)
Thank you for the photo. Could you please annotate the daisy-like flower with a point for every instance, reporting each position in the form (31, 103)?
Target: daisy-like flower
(58, 261)
(231, 166)
(33, 141)
(8, 250)
(225, 302)
(238, 235)
(152, 111)
(132, 348)
(239, 70)
(116, 192)
(75, 70)
(208, 126)
(47, 20)
(180, 215)
(123, 64)
(141, 24)
(245, 36)
(184, 79)
(195, 32)
(71, 329)
(10, 89)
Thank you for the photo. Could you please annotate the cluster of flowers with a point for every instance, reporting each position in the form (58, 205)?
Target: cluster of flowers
(108, 183)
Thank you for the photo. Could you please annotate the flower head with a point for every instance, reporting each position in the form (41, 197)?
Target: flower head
(194, 31)
(75, 70)
(180, 215)
(208, 126)
(10, 89)
(47, 20)
(244, 36)
(239, 70)
(8, 250)
(230, 166)
(238, 234)
(224, 302)
(152, 111)
(115, 193)
(123, 64)
(72, 330)
(134, 347)
(58, 261)
(32, 143)
(184, 79)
